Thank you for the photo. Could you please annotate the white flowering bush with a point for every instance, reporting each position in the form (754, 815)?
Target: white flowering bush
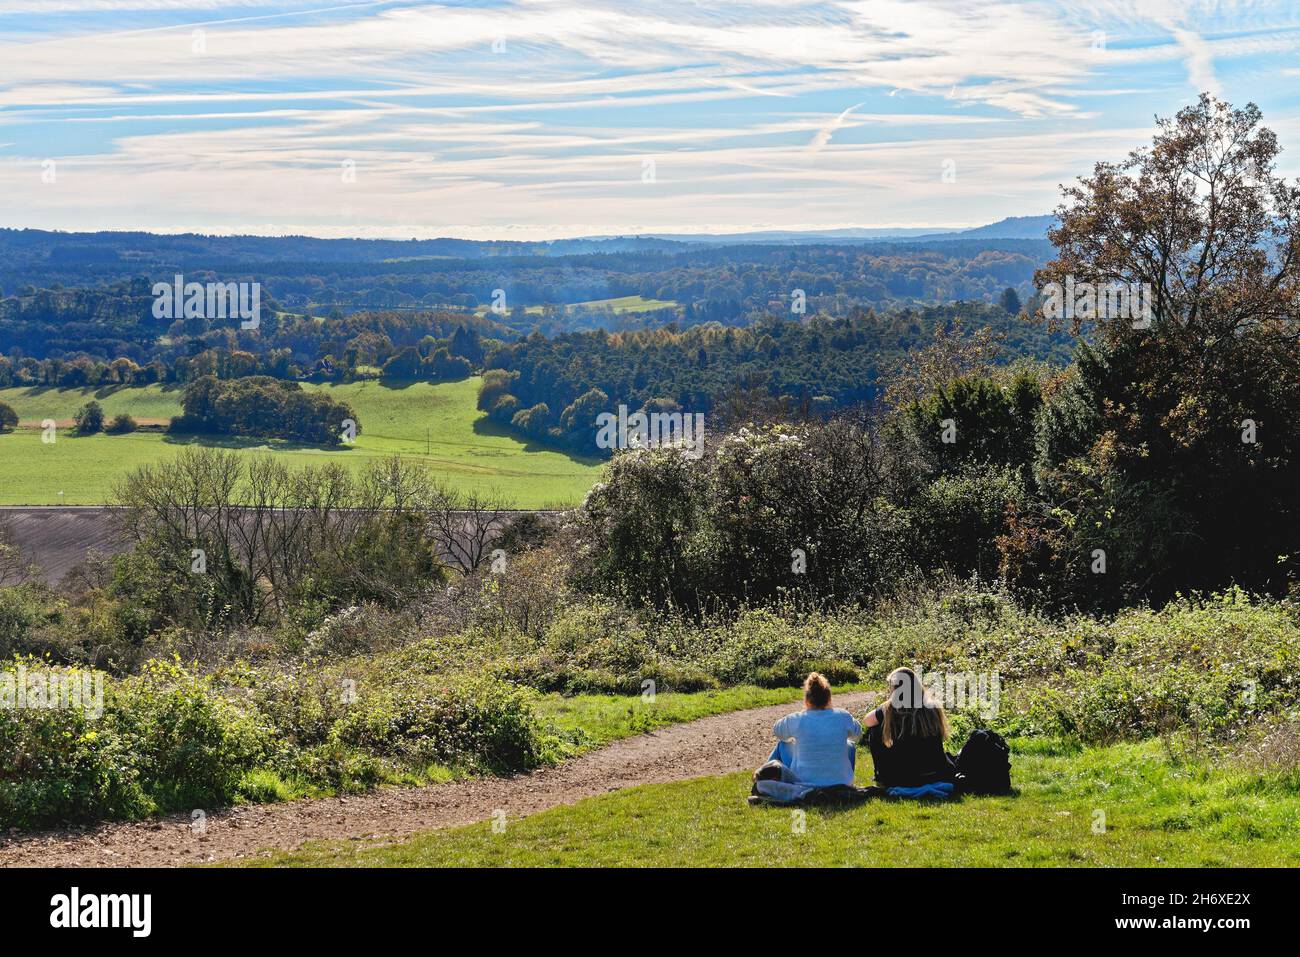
(771, 513)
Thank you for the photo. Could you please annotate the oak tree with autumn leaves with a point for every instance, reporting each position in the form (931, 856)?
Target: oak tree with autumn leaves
(1172, 447)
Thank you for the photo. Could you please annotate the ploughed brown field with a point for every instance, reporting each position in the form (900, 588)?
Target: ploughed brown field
(58, 538)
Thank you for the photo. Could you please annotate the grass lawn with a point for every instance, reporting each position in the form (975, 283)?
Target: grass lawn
(437, 424)
(149, 403)
(1158, 812)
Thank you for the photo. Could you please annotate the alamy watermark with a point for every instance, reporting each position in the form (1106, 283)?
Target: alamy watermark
(1104, 301)
(74, 909)
(643, 430)
(978, 691)
(212, 300)
(64, 689)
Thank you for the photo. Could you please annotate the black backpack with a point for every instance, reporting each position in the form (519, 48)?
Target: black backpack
(984, 764)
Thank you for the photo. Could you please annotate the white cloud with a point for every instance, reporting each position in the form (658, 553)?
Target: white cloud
(736, 101)
(824, 134)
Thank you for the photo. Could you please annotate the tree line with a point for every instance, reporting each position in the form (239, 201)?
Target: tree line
(263, 407)
(552, 389)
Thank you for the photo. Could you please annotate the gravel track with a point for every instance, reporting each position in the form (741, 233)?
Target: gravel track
(715, 745)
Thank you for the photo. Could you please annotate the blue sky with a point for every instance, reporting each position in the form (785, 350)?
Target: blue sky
(535, 119)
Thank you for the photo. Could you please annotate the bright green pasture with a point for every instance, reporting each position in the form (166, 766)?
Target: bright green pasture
(437, 424)
(619, 304)
(626, 304)
(144, 403)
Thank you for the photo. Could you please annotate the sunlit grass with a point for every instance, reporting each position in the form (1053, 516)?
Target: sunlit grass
(434, 423)
(1121, 806)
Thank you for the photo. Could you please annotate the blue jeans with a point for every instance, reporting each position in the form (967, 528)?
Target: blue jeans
(782, 756)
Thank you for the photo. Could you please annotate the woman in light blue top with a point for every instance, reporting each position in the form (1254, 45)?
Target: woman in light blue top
(815, 746)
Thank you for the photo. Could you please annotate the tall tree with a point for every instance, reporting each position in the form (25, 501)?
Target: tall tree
(1192, 404)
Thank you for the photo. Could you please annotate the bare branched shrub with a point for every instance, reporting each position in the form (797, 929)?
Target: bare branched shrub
(525, 596)
(248, 538)
(1275, 748)
(465, 525)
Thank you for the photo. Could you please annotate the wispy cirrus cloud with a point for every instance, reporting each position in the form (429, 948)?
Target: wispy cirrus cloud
(534, 116)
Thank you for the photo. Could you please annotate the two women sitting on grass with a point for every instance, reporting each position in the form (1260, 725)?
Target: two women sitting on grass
(816, 747)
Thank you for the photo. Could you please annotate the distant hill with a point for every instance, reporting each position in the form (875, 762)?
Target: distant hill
(785, 237)
(97, 287)
(62, 249)
(1013, 227)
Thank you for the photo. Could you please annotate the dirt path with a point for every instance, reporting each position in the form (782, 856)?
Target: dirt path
(717, 745)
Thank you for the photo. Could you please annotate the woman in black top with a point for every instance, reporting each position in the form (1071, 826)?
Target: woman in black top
(906, 736)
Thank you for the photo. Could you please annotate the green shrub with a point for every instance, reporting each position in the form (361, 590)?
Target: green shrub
(300, 707)
(335, 766)
(121, 424)
(404, 710)
(956, 519)
(22, 609)
(264, 786)
(1204, 667)
(192, 747)
(90, 418)
(469, 722)
(991, 416)
(169, 740)
(772, 512)
(60, 765)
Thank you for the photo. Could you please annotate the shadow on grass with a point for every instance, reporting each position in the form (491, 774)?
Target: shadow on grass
(400, 385)
(97, 392)
(249, 442)
(394, 385)
(486, 427)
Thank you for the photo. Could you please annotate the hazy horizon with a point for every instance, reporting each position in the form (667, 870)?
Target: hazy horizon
(399, 237)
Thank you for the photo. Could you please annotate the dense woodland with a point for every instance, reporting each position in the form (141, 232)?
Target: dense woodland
(60, 306)
(555, 387)
(727, 281)
(267, 408)
(81, 337)
(812, 326)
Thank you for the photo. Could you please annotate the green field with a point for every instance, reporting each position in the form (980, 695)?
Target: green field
(436, 424)
(626, 304)
(144, 403)
(620, 304)
(1158, 811)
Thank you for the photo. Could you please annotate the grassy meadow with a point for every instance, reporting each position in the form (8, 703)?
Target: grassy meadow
(437, 424)
(1127, 805)
(624, 304)
(618, 305)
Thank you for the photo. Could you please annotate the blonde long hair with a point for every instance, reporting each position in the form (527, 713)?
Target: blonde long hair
(909, 711)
